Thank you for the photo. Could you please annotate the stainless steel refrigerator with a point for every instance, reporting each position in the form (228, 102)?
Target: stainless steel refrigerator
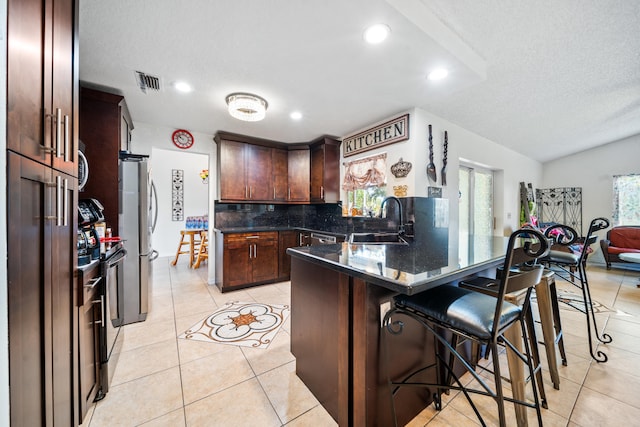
(136, 221)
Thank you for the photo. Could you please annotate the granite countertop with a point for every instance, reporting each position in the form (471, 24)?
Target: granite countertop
(406, 269)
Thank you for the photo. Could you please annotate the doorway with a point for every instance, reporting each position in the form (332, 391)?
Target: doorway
(475, 210)
(166, 164)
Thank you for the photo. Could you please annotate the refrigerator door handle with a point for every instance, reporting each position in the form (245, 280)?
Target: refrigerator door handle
(154, 207)
(154, 255)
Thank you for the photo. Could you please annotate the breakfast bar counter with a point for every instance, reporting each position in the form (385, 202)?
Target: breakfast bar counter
(339, 294)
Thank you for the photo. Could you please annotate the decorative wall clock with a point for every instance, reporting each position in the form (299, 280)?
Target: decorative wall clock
(182, 139)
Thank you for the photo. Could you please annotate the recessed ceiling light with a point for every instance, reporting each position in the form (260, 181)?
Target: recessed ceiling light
(296, 115)
(377, 33)
(182, 87)
(438, 74)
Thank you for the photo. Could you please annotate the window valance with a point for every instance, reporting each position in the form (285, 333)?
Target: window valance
(365, 172)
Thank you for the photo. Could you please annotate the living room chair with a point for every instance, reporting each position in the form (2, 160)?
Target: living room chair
(454, 315)
(571, 266)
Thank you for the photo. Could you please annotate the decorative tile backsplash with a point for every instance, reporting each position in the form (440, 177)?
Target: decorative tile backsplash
(326, 217)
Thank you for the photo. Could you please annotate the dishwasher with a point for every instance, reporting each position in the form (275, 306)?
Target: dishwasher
(324, 239)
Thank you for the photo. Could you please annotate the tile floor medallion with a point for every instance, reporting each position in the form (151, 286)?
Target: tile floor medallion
(248, 324)
(576, 301)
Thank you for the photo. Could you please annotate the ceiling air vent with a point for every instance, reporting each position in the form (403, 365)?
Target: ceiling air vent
(147, 81)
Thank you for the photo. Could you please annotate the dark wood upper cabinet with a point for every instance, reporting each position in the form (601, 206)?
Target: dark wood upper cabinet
(231, 170)
(325, 170)
(261, 171)
(280, 170)
(103, 117)
(298, 175)
(259, 176)
(40, 84)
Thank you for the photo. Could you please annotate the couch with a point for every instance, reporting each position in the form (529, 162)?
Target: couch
(622, 239)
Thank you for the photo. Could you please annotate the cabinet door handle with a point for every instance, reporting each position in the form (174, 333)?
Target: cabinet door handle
(58, 132)
(102, 309)
(65, 198)
(59, 201)
(252, 237)
(274, 193)
(47, 148)
(249, 251)
(250, 193)
(289, 193)
(322, 192)
(245, 192)
(66, 138)
(255, 251)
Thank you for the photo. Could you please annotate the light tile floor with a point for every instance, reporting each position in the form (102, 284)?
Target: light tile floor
(161, 380)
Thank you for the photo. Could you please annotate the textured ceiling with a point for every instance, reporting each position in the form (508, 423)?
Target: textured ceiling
(545, 78)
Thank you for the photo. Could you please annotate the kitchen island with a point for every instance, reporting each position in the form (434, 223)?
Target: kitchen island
(339, 294)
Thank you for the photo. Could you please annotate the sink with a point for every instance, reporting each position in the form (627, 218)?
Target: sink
(376, 239)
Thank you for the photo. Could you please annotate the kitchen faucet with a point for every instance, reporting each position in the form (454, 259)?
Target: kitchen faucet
(400, 222)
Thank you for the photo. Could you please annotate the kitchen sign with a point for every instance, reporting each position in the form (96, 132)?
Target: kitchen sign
(393, 131)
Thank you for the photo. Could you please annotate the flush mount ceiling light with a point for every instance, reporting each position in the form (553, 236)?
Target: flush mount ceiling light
(376, 33)
(438, 74)
(247, 107)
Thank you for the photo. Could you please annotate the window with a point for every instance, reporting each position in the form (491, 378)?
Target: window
(365, 183)
(626, 199)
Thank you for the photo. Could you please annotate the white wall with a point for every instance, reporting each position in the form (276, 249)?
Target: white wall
(4, 315)
(510, 168)
(156, 141)
(593, 170)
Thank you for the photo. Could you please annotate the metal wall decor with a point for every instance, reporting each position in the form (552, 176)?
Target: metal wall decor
(400, 190)
(431, 167)
(177, 195)
(401, 169)
(562, 205)
(445, 148)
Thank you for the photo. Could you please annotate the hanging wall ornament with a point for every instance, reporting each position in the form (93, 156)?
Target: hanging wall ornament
(431, 167)
(400, 190)
(444, 159)
(401, 169)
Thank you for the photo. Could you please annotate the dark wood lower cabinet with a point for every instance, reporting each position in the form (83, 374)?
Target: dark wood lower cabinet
(89, 319)
(42, 252)
(286, 239)
(247, 259)
(336, 339)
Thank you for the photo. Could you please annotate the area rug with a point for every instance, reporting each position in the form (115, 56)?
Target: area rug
(248, 324)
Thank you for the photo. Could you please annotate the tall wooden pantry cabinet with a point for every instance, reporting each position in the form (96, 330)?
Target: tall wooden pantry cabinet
(42, 107)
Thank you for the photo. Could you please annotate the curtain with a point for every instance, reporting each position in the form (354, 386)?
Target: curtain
(626, 199)
(365, 172)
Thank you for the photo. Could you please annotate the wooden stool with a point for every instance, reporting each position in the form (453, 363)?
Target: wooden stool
(203, 252)
(192, 239)
(549, 311)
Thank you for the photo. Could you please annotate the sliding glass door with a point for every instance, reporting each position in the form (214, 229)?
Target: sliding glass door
(475, 208)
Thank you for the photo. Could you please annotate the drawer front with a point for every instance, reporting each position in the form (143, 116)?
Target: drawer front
(242, 237)
(89, 281)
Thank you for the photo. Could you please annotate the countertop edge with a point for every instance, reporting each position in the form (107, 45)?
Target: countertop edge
(411, 289)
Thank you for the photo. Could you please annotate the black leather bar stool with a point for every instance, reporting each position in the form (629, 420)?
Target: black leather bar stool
(454, 315)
